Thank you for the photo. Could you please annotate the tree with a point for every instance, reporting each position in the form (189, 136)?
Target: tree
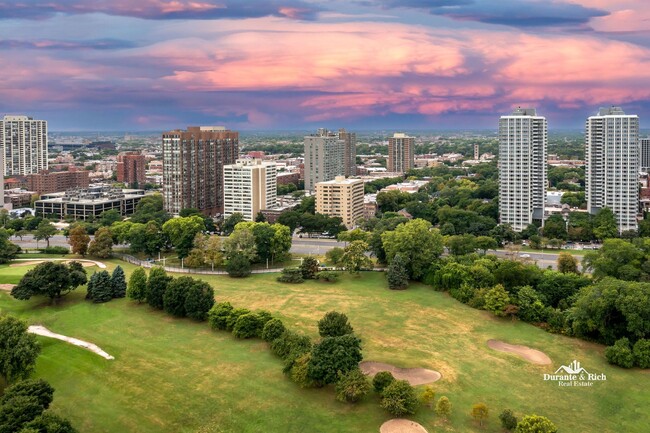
(260, 218)
(100, 288)
(36, 388)
(605, 226)
(566, 263)
(333, 355)
(381, 380)
(150, 208)
(508, 420)
(17, 412)
(213, 254)
(496, 300)
(309, 268)
(137, 289)
(272, 329)
(485, 243)
(229, 223)
(8, 250)
(181, 233)
(641, 353)
(353, 235)
(48, 423)
(241, 243)
(354, 257)
(157, 286)
(51, 279)
(334, 324)
(397, 273)
(428, 396)
(199, 299)
(107, 218)
(248, 326)
(78, 240)
(45, 231)
(555, 227)
(352, 386)
(535, 424)
(291, 275)
(18, 349)
(480, 412)
(174, 297)
(616, 258)
(530, 307)
(461, 244)
(443, 407)
(418, 243)
(102, 245)
(399, 398)
(118, 282)
(238, 266)
(334, 256)
(620, 354)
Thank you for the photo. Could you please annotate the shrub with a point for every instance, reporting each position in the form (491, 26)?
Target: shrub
(508, 420)
(137, 289)
(234, 315)
(54, 250)
(535, 424)
(299, 371)
(496, 299)
(480, 412)
(428, 396)
(309, 268)
(264, 316)
(620, 354)
(352, 386)
(478, 300)
(291, 275)
(382, 380)
(272, 330)
(334, 256)
(328, 276)
(334, 324)
(443, 407)
(333, 355)
(247, 326)
(399, 398)
(238, 266)
(199, 299)
(290, 342)
(156, 287)
(464, 293)
(641, 353)
(218, 315)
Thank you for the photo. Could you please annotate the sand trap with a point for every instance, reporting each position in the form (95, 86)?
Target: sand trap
(400, 425)
(7, 287)
(531, 355)
(414, 376)
(84, 262)
(42, 330)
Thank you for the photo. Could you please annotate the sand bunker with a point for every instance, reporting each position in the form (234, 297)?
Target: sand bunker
(7, 287)
(414, 376)
(84, 262)
(400, 425)
(42, 330)
(531, 355)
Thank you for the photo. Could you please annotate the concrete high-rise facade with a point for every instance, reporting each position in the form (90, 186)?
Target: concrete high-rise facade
(350, 154)
(131, 168)
(342, 198)
(523, 141)
(249, 187)
(23, 143)
(612, 163)
(193, 162)
(645, 154)
(400, 153)
(324, 158)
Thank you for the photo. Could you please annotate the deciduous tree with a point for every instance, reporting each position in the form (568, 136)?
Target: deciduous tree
(334, 324)
(354, 257)
(45, 231)
(480, 412)
(137, 289)
(102, 245)
(181, 233)
(399, 398)
(443, 407)
(333, 355)
(352, 386)
(78, 240)
(51, 279)
(18, 349)
(418, 243)
(157, 286)
(199, 299)
(508, 420)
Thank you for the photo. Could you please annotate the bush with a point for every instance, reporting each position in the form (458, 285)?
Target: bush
(247, 326)
(352, 387)
(137, 289)
(464, 293)
(309, 268)
(641, 353)
(272, 329)
(299, 371)
(508, 420)
(238, 266)
(33, 388)
(334, 355)
(234, 316)
(156, 287)
(218, 315)
(535, 424)
(290, 342)
(382, 380)
(428, 396)
(291, 275)
(328, 276)
(199, 299)
(334, 256)
(264, 316)
(620, 354)
(334, 324)
(443, 407)
(54, 250)
(174, 297)
(399, 398)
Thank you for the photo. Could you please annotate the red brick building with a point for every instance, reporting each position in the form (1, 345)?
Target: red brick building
(46, 182)
(131, 168)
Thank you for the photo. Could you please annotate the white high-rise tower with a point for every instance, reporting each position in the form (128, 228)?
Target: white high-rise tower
(523, 139)
(612, 162)
(23, 143)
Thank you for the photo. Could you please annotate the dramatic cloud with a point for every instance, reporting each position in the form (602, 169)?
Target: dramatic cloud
(95, 44)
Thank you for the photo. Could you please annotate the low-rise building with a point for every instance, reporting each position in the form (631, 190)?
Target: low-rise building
(88, 203)
(47, 182)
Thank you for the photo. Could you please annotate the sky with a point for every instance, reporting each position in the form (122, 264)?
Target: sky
(146, 65)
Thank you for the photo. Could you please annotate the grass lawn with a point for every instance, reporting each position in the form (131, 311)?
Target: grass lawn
(174, 375)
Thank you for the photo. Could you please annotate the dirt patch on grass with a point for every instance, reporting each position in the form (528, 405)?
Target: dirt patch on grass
(400, 425)
(531, 355)
(84, 262)
(414, 376)
(7, 287)
(27, 263)
(42, 330)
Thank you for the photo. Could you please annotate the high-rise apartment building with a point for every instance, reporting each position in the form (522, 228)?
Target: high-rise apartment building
(249, 187)
(45, 183)
(342, 198)
(23, 143)
(400, 153)
(645, 154)
(324, 158)
(612, 162)
(193, 162)
(350, 154)
(131, 168)
(523, 140)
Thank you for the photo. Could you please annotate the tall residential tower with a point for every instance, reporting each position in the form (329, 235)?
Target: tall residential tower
(350, 154)
(612, 163)
(23, 143)
(249, 186)
(523, 139)
(324, 158)
(400, 153)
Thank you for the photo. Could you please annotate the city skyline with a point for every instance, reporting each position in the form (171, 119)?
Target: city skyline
(300, 64)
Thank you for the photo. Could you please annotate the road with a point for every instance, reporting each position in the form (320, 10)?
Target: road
(312, 246)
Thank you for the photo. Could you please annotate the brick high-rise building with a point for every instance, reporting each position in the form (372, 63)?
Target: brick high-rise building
(350, 153)
(193, 162)
(131, 168)
(23, 142)
(45, 182)
(400, 153)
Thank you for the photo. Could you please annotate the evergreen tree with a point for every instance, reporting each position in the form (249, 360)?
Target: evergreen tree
(397, 273)
(102, 289)
(156, 287)
(118, 282)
